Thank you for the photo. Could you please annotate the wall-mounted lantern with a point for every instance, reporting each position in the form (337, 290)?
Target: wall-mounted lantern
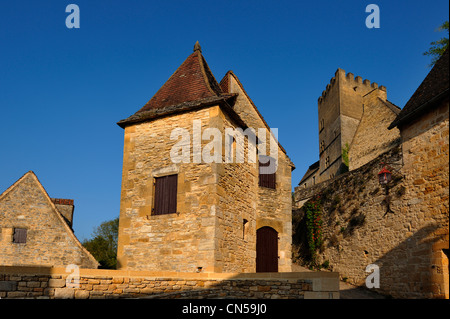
(384, 176)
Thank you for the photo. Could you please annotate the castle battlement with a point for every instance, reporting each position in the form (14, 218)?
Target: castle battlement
(349, 79)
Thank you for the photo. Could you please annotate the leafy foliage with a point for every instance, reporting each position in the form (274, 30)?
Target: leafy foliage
(313, 211)
(103, 245)
(438, 47)
(345, 154)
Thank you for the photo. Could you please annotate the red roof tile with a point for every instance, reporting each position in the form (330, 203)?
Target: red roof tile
(191, 84)
(192, 81)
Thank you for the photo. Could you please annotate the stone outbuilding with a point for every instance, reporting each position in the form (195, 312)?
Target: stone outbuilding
(36, 230)
(183, 209)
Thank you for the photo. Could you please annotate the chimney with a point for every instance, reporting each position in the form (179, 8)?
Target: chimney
(65, 208)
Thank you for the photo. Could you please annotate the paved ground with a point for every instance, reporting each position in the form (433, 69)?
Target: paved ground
(346, 290)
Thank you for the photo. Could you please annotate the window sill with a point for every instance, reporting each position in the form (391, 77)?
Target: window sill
(265, 187)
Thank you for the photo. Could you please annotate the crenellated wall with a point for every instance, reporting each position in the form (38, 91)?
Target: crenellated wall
(352, 81)
(341, 108)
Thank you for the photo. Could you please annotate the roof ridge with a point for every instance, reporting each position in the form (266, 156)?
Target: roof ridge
(230, 72)
(191, 81)
(210, 80)
(54, 209)
(15, 184)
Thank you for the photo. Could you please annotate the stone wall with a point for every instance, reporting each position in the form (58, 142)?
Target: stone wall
(405, 242)
(372, 137)
(273, 207)
(426, 167)
(54, 283)
(236, 202)
(181, 241)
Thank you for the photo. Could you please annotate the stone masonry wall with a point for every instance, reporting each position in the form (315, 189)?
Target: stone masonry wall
(54, 283)
(273, 206)
(172, 242)
(405, 243)
(236, 190)
(372, 137)
(426, 168)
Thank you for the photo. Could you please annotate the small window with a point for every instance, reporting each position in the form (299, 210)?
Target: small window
(244, 229)
(322, 146)
(267, 179)
(20, 236)
(322, 124)
(165, 195)
(327, 162)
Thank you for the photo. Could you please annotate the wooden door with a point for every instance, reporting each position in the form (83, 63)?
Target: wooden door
(266, 250)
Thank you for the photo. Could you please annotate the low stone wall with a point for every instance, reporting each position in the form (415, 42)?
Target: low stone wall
(56, 283)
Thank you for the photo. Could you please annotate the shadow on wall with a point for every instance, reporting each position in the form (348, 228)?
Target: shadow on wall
(413, 268)
(54, 283)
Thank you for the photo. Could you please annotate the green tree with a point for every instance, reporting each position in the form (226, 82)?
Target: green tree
(438, 47)
(103, 245)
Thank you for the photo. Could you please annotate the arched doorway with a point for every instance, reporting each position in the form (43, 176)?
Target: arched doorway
(266, 250)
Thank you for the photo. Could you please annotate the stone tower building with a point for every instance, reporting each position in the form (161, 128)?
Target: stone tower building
(187, 214)
(353, 114)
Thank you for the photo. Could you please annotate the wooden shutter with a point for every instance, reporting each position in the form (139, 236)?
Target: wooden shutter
(20, 235)
(267, 180)
(165, 195)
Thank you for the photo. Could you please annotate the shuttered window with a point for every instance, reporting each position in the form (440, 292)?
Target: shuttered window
(20, 236)
(266, 180)
(165, 195)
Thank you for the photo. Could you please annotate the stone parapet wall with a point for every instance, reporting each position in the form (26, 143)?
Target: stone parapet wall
(55, 283)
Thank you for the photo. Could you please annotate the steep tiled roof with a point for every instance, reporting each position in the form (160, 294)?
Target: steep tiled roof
(191, 85)
(431, 91)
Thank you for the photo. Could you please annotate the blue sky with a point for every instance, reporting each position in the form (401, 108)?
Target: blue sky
(63, 90)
